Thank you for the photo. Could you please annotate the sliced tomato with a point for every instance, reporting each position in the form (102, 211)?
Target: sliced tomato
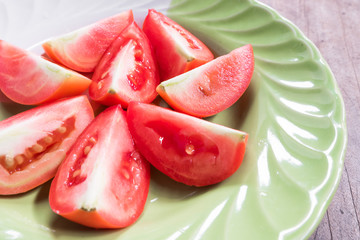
(82, 49)
(187, 149)
(127, 71)
(29, 79)
(212, 87)
(104, 181)
(176, 49)
(33, 143)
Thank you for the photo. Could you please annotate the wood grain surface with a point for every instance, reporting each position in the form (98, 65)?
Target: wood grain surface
(333, 26)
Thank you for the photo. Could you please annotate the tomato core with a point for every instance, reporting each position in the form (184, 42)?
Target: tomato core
(33, 153)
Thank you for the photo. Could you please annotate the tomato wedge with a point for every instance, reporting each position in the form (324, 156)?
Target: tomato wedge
(176, 49)
(212, 87)
(104, 181)
(82, 49)
(127, 71)
(29, 79)
(33, 143)
(185, 148)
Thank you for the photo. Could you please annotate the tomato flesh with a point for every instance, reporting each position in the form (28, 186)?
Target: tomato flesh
(33, 143)
(176, 49)
(104, 181)
(81, 50)
(29, 79)
(212, 87)
(187, 149)
(127, 71)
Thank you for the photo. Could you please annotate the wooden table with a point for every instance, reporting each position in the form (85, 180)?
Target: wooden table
(333, 25)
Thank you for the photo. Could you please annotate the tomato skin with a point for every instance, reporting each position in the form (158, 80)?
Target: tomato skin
(82, 49)
(127, 71)
(187, 149)
(212, 87)
(29, 79)
(104, 181)
(21, 132)
(176, 49)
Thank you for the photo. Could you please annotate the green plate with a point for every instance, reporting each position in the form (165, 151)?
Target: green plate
(293, 112)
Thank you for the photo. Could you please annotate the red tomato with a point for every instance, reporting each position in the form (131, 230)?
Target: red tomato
(176, 49)
(104, 181)
(127, 71)
(29, 79)
(33, 143)
(212, 87)
(187, 149)
(82, 49)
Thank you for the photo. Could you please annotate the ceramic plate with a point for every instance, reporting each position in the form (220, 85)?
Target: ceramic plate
(292, 110)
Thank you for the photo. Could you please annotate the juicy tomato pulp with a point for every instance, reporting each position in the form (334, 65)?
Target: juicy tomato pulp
(33, 143)
(176, 49)
(82, 49)
(29, 79)
(104, 181)
(127, 71)
(212, 87)
(187, 149)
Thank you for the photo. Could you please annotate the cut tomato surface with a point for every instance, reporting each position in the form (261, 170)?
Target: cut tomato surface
(33, 143)
(82, 49)
(29, 79)
(187, 149)
(212, 87)
(104, 181)
(176, 49)
(127, 71)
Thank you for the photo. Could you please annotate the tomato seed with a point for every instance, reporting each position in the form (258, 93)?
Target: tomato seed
(126, 174)
(9, 161)
(92, 140)
(62, 129)
(48, 139)
(19, 159)
(87, 150)
(28, 154)
(37, 148)
(102, 77)
(76, 173)
(100, 84)
(190, 149)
